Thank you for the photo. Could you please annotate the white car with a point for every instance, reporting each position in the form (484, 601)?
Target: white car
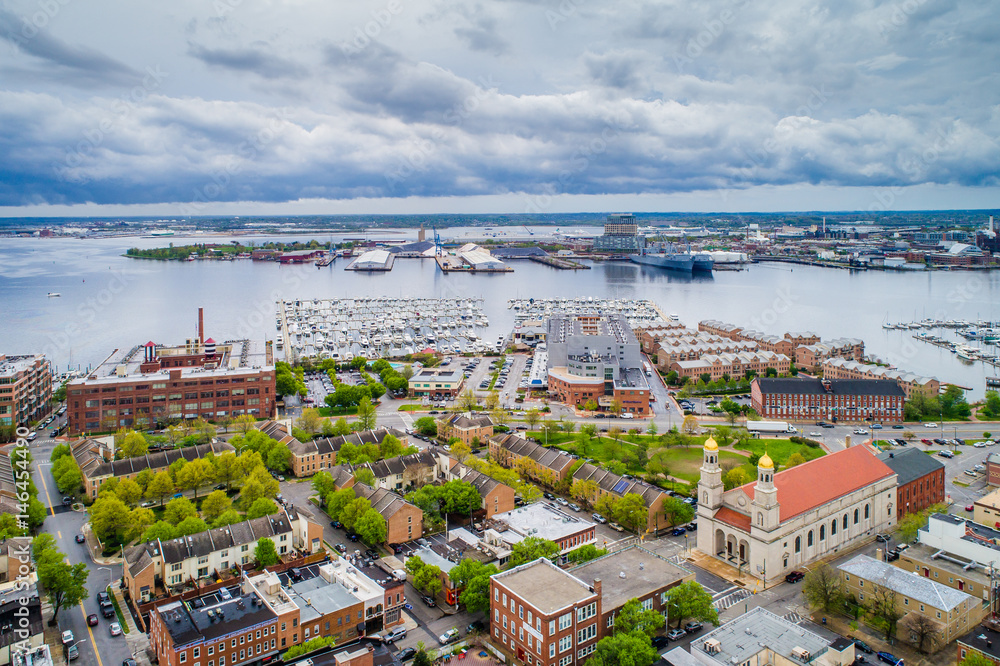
(930, 425)
(449, 636)
(815, 433)
(116, 629)
(860, 431)
(980, 445)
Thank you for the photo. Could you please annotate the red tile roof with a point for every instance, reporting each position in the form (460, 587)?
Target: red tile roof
(814, 483)
(734, 518)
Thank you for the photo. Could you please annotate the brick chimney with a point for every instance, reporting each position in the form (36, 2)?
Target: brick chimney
(597, 587)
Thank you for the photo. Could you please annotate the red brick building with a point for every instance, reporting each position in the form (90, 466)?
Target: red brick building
(25, 388)
(808, 399)
(157, 385)
(920, 480)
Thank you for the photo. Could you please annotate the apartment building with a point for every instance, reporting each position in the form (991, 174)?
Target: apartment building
(154, 385)
(596, 358)
(947, 569)
(721, 328)
(96, 459)
(919, 480)
(21, 620)
(955, 612)
(650, 335)
(692, 350)
(732, 365)
(10, 501)
(609, 483)
(811, 357)
(544, 616)
(409, 472)
(841, 368)
(508, 449)
(157, 566)
(404, 521)
(847, 400)
(470, 428)
(25, 388)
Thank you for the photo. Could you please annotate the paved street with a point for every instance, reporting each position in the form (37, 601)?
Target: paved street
(96, 644)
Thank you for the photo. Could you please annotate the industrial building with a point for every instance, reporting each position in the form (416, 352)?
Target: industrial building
(156, 384)
(480, 259)
(373, 260)
(621, 234)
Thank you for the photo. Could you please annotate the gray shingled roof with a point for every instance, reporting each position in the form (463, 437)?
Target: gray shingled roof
(809, 386)
(909, 464)
(910, 584)
(92, 464)
(469, 421)
(326, 445)
(608, 481)
(553, 459)
(384, 501)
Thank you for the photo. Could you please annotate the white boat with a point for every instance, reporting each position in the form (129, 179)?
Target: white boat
(54, 294)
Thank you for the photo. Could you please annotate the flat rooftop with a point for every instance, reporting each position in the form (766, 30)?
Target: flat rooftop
(189, 621)
(15, 365)
(560, 328)
(233, 357)
(629, 574)
(544, 585)
(542, 520)
(739, 640)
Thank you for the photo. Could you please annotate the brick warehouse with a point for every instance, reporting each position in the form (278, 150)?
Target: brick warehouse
(154, 384)
(919, 479)
(848, 400)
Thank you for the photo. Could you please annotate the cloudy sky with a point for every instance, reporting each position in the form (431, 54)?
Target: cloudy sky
(194, 107)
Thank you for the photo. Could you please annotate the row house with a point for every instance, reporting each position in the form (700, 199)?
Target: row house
(202, 556)
(771, 343)
(615, 485)
(496, 497)
(404, 521)
(732, 365)
(650, 335)
(716, 327)
(666, 356)
(312, 456)
(841, 368)
(812, 356)
(808, 399)
(96, 459)
(508, 449)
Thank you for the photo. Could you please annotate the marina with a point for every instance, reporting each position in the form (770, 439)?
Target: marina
(346, 328)
(638, 312)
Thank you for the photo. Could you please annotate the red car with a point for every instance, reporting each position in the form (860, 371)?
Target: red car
(969, 508)
(926, 441)
(92, 619)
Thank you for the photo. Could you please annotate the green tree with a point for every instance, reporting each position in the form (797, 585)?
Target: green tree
(9, 526)
(585, 553)
(823, 588)
(422, 659)
(228, 469)
(64, 583)
(178, 509)
(794, 459)
(349, 516)
(371, 527)
(161, 530)
(261, 507)
(632, 618)
(585, 491)
(631, 512)
(160, 487)
(227, 518)
(265, 553)
(323, 484)
(67, 474)
(191, 525)
(140, 520)
(976, 658)
(310, 420)
(61, 451)
(991, 404)
(129, 492)
(461, 451)
(366, 476)
(133, 444)
(428, 580)
(467, 401)
(883, 610)
(259, 484)
(459, 496)
(311, 645)
(366, 416)
(531, 417)
(279, 458)
(735, 478)
(195, 474)
(689, 600)
(109, 518)
(530, 549)
(426, 425)
(337, 501)
(390, 446)
(473, 579)
(676, 511)
(215, 505)
(623, 649)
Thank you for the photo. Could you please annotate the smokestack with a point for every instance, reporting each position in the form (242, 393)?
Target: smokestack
(201, 325)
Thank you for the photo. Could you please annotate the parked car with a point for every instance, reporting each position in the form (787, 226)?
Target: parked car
(107, 610)
(67, 637)
(353, 537)
(692, 627)
(562, 501)
(876, 426)
(861, 645)
(103, 598)
(795, 576)
(394, 634)
(116, 629)
(92, 620)
(80, 538)
(449, 636)
(678, 531)
(474, 627)
(598, 518)
(660, 642)
(945, 453)
(890, 659)
(675, 634)
(616, 527)
(573, 506)
(429, 600)
(406, 654)
(969, 507)
(930, 425)
(692, 526)
(548, 496)
(883, 538)
(67, 501)
(72, 653)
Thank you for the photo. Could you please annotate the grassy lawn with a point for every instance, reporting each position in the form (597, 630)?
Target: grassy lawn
(684, 463)
(118, 611)
(414, 407)
(337, 411)
(780, 449)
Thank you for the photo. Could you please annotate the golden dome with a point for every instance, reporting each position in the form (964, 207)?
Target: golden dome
(711, 444)
(765, 462)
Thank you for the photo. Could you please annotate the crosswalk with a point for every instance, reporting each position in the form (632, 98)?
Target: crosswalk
(793, 617)
(725, 599)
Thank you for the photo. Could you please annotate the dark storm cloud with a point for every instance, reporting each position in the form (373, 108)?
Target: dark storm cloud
(253, 60)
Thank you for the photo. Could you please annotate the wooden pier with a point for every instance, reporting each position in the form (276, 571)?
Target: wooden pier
(560, 263)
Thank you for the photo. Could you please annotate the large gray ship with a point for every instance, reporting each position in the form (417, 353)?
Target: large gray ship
(667, 257)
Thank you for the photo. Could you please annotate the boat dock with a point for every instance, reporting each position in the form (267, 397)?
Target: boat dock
(560, 263)
(993, 382)
(325, 261)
